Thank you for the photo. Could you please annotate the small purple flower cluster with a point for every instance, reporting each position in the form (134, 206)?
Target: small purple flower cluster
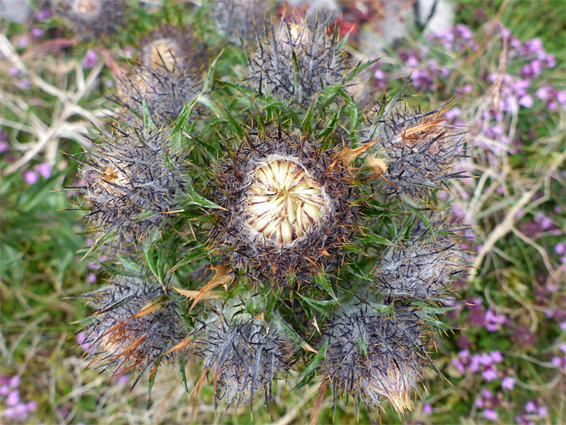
(532, 411)
(4, 146)
(560, 361)
(32, 176)
(90, 60)
(483, 362)
(94, 265)
(15, 409)
(489, 402)
(479, 316)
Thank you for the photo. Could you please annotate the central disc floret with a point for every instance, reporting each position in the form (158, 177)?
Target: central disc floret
(283, 201)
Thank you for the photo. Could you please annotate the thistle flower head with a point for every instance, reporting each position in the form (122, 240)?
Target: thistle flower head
(286, 208)
(94, 18)
(245, 356)
(166, 88)
(172, 48)
(422, 267)
(375, 356)
(131, 182)
(283, 201)
(134, 325)
(419, 149)
(295, 63)
(169, 77)
(238, 17)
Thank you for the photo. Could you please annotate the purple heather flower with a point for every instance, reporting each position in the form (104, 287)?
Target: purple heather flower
(23, 41)
(31, 406)
(3, 146)
(526, 101)
(91, 278)
(17, 413)
(475, 364)
(80, 340)
(464, 32)
(44, 169)
(489, 374)
(490, 414)
(480, 403)
(457, 211)
(549, 61)
(92, 265)
(122, 379)
(508, 383)
(560, 248)
(129, 50)
(530, 407)
(542, 411)
(544, 92)
(43, 15)
(13, 398)
(427, 409)
(36, 32)
(4, 389)
(30, 177)
(90, 59)
(459, 365)
(496, 356)
(485, 359)
(15, 382)
(546, 223)
(485, 393)
(493, 320)
(13, 71)
(453, 113)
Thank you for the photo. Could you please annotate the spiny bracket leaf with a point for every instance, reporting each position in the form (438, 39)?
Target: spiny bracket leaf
(223, 276)
(309, 370)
